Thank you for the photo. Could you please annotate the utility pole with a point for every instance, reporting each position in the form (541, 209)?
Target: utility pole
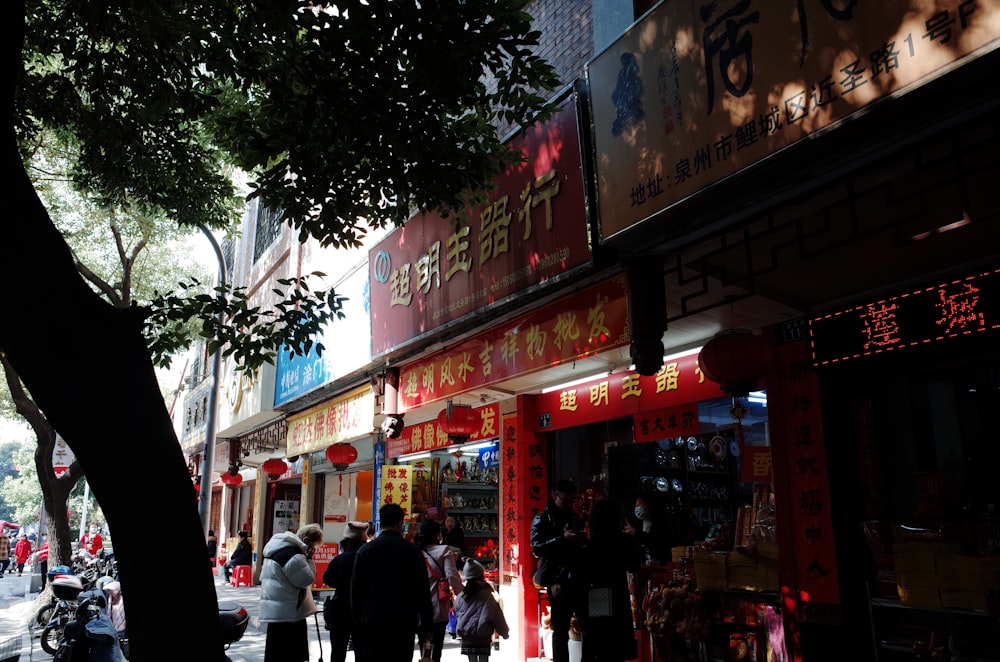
(208, 453)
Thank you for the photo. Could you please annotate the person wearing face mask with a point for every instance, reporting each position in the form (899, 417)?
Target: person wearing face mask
(651, 530)
(92, 541)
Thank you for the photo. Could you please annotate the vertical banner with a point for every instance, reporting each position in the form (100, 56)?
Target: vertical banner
(378, 457)
(510, 513)
(800, 456)
(397, 485)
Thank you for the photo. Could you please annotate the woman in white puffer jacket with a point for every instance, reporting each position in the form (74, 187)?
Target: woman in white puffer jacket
(286, 578)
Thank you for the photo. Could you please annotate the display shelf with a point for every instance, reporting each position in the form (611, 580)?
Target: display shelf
(472, 511)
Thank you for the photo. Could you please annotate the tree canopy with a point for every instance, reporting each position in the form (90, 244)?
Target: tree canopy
(348, 115)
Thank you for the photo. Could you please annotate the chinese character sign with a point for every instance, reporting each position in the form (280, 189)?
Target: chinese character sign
(532, 228)
(429, 436)
(345, 418)
(798, 421)
(952, 309)
(586, 323)
(679, 421)
(396, 486)
(709, 88)
(658, 402)
(322, 557)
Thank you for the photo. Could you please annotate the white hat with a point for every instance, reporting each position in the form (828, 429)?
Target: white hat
(356, 530)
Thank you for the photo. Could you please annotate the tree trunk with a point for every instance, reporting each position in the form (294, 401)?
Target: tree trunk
(88, 369)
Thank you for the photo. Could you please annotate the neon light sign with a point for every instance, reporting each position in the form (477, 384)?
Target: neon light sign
(955, 308)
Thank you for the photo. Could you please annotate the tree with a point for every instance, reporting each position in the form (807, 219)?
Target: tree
(123, 255)
(348, 118)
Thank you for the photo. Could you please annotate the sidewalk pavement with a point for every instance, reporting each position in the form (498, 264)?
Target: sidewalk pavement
(16, 599)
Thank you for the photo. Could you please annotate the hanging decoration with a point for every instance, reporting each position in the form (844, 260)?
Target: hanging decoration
(274, 468)
(231, 480)
(736, 360)
(341, 455)
(459, 422)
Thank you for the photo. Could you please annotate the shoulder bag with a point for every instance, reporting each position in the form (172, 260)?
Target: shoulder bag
(443, 587)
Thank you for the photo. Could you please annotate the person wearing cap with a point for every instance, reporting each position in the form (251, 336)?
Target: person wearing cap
(337, 607)
(479, 614)
(389, 598)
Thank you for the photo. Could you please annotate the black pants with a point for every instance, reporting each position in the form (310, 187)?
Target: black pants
(563, 602)
(287, 642)
(437, 639)
(340, 638)
(3, 567)
(384, 644)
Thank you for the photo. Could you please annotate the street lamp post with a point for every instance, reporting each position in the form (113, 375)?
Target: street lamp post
(208, 454)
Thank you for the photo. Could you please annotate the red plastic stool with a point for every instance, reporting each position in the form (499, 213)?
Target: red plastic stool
(242, 575)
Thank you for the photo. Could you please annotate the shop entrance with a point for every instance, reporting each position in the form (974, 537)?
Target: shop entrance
(916, 494)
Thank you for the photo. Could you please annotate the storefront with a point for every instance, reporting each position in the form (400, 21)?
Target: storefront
(913, 377)
(333, 444)
(454, 472)
(671, 443)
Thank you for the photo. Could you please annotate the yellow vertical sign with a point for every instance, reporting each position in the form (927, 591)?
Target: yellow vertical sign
(397, 483)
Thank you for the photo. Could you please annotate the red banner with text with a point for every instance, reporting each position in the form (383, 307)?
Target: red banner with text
(679, 382)
(586, 323)
(429, 436)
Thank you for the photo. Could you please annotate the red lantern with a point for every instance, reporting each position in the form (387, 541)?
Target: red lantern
(274, 468)
(459, 422)
(231, 479)
(340, 455)
(735, 359)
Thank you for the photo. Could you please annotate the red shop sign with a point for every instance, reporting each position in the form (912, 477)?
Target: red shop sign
(678, 382)
(586, 323)
(429, 436)
(532, 228)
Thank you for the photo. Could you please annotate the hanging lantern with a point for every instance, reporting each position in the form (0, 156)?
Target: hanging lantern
(341, 455)
(231, 480)
(736, 360)
(459, 422)
(274, 468)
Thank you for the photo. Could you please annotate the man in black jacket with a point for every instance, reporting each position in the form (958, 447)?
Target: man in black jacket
(390, 598)
(557, 536)
(242, 555)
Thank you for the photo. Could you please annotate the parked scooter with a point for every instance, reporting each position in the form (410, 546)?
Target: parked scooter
(91, 636)
(65, 588)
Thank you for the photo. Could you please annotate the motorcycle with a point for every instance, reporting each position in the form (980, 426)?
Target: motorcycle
(91, 636)
(65, 588)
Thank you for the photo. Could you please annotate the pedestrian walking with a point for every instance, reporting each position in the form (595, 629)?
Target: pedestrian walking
(389, 598)
(22, 552)
(479, 614)
(444, 580)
